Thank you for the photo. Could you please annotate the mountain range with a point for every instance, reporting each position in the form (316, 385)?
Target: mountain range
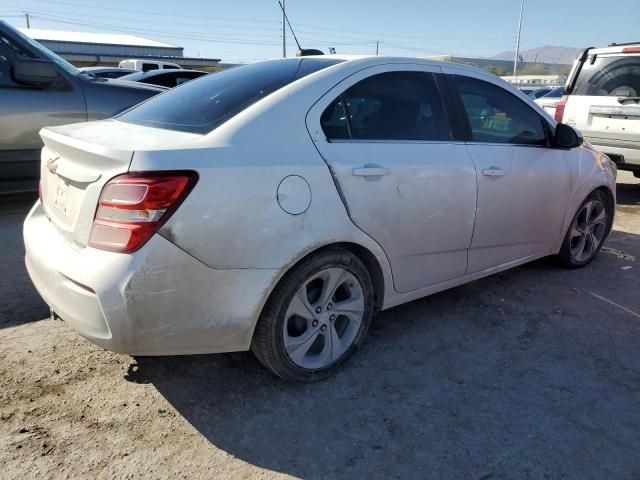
(546, 54)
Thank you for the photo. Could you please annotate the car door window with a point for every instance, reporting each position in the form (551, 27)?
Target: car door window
(146, 67)
(181, 80)
(388, 106)
(9, 52)
(497, 116)
(163, 80)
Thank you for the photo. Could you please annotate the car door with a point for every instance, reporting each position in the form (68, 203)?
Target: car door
(385, 136)
(523, 183)
(26, 109)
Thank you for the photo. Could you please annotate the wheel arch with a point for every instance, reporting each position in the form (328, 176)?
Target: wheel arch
(571, 212)
(361, 252)
(612, 203)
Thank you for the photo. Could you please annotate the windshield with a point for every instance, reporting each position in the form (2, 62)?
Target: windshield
(48, 54)
(206, 103)
(616, 76)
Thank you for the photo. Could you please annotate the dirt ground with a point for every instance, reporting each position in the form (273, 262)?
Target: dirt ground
(532, 373)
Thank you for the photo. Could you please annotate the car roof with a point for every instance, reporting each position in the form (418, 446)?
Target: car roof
(106, 69)
(138, 75)
(616, 48)
(366, 60)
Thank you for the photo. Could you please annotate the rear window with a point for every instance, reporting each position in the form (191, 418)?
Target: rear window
(206, 103)
(615, 76)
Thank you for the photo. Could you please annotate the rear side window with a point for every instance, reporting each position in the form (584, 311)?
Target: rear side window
(497, 116)
(615, 76)
(202, 105)
(146, 67)
(388, 106)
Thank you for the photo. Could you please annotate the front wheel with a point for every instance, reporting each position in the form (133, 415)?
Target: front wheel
(316, 317)
(587, 231)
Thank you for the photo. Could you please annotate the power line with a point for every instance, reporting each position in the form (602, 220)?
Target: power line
(312, 27)
(180, 36)
(150, 12)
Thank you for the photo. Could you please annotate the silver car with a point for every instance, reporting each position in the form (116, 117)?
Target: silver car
(278, 206)
(39, 89)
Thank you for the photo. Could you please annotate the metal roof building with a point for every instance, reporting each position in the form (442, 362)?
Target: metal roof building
(85, 49)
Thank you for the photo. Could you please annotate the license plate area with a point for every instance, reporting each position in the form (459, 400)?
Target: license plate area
(61, 197)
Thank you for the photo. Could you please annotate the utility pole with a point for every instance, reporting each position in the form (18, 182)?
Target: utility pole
(26, 15)
(515, 60)
(377, 47)
(284, 32)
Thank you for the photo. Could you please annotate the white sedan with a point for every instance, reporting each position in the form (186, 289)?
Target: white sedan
(278, 206)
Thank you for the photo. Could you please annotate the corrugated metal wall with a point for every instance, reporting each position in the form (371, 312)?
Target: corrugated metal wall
(132, 51)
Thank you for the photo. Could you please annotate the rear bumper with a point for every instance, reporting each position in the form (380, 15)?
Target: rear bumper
(157, 301)
(626, 156)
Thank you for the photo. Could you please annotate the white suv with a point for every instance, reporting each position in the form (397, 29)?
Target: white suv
(603, 101)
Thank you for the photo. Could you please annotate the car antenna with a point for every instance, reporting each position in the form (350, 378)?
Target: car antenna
(302, 52)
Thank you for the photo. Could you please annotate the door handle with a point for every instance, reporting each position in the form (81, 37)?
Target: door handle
(370, 171)
(494, 172)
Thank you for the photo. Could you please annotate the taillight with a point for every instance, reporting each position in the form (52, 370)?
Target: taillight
(132, 207)
(631, 50)
(560, 108)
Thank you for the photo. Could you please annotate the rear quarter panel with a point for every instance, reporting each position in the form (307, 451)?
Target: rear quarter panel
(232, 218)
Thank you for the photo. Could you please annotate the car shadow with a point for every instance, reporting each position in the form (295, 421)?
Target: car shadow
(628, 193)
(500, 378)
(19, 301)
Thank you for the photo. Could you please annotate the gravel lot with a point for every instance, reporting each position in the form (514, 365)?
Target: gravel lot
(532, 373)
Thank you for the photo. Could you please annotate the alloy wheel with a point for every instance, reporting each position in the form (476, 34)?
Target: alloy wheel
(323, 318)
(588, 230)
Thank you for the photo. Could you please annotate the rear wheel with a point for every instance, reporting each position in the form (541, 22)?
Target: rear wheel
(316, 317)
(587, 231)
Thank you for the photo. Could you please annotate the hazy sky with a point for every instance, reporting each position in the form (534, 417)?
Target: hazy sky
(246, 30)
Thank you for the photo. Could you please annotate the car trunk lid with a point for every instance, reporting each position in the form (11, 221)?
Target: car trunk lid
(77, 161)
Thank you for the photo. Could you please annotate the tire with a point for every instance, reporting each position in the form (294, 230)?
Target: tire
(305, 332)
(588, 230)
(636, 173)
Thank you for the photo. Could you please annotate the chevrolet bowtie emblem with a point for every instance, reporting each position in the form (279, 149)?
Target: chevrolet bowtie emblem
(51, 164)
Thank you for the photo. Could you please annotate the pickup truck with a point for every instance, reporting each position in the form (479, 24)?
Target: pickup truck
(39, 89)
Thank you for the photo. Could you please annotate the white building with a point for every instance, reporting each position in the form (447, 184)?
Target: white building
(535, 80)
(85, 49)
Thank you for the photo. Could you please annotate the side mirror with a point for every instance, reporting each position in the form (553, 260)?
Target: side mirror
(567, 137)
(35, 72)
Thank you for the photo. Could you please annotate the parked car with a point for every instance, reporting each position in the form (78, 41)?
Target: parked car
(107, 72)
(549, 101)
(603, 101)
(538, 92)
(279, 205)
(164, 78)
(146, 65)
(525, 90)
(40, 89)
